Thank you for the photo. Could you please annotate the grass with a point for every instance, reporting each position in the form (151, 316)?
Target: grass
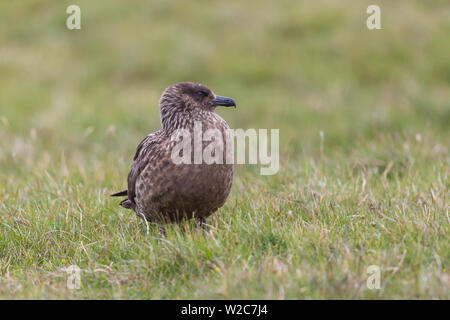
(374, 191)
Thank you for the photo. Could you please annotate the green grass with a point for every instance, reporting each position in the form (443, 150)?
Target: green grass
(75, 104)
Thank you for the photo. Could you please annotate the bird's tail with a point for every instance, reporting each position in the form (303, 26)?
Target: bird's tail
(126, 203)
(120, 194)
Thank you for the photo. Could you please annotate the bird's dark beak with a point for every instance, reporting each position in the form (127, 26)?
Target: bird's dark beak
(223, 101)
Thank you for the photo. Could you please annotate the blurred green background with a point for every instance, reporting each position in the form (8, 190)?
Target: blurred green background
(300, 66)
(74, 104)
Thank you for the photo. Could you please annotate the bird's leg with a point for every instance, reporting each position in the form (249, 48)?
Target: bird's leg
(202, 223)
(162, 230)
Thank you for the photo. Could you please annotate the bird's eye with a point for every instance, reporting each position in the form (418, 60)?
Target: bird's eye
(202, 93)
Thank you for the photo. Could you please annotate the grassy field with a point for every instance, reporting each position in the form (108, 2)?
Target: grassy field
(374, 190)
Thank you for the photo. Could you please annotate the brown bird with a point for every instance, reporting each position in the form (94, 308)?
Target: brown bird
(163, 191)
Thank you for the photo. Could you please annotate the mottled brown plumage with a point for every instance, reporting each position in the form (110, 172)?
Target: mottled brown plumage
(160, 190)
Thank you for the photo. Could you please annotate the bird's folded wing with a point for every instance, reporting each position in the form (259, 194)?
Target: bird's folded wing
(147, 151)
(122, 193)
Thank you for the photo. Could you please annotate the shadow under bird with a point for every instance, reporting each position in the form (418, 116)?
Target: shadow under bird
(161, 191)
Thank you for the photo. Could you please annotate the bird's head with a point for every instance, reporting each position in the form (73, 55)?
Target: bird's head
(185, 98)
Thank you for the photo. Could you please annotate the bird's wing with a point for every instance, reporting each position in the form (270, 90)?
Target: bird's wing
(147, 151)
(122, 193)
